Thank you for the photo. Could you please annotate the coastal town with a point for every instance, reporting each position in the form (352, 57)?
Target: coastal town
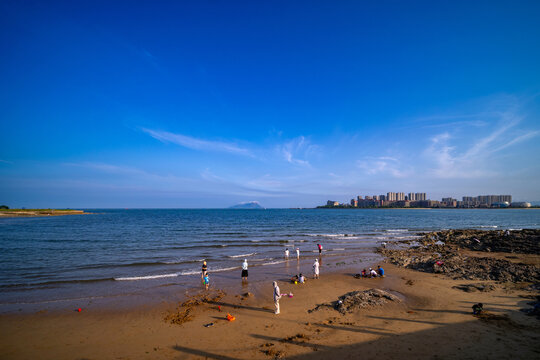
(419, 200)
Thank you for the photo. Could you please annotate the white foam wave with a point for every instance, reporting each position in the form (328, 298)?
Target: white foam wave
(274, 262)
(338, 249)
(241, 255)
(190, 272)
(327, 235)
(149, 277)
(397, 230)
(489, 226)
(223, 269)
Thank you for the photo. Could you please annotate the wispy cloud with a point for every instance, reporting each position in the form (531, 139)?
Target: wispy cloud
(197, 144)
(473, 161)
(382, 165)
(297, 147)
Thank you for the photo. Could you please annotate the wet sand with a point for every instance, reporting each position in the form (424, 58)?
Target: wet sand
(432, 321)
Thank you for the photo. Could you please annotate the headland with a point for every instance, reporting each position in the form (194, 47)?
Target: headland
(39, 212)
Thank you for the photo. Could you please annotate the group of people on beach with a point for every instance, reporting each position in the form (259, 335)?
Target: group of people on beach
(297, 279)
(372, 273)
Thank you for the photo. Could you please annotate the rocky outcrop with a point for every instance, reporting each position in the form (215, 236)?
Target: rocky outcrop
(526, 241)
(438, 252)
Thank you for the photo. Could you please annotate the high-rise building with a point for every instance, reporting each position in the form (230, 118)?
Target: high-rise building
(420, 196)
(412, 197)
(400, 196)
(376, 197)
(391, 196)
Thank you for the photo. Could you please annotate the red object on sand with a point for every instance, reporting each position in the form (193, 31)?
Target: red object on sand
(79, 310)
(219, 307)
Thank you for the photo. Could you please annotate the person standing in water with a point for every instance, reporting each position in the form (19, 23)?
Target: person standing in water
(316, 269)
(244, 270)
(297, 254)
(277, 296)
(287, 253)
(320, 248)
(204, 271)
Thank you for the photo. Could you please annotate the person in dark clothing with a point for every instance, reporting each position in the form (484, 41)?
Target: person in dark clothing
(477, 308)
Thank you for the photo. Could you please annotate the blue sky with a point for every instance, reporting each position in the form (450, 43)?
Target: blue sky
(290, 103)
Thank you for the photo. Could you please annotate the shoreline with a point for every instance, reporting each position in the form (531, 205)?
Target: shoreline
(431, 318)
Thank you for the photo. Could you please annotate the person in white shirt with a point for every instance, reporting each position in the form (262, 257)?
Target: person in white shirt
(277, 296)
(301, 279)
(297, 253)
(372, 273)
(245, 270)
(316, 269)
(286, 253)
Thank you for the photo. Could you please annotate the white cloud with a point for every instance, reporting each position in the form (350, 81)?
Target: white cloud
(197, 144)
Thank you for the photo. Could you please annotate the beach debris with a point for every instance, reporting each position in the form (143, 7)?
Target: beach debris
(208, 325)
(230, 317)
(296, 338)
(184, 312)
(79, 309)
(290, 294)
(276, 354)
(535, 311)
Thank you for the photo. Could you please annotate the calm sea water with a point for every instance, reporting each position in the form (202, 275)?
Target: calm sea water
(113, 252)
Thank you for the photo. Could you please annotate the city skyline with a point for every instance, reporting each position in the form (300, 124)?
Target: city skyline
(399, 199)
(290, 104)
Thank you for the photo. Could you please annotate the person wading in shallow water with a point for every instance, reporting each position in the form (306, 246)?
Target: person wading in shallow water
(244, 270)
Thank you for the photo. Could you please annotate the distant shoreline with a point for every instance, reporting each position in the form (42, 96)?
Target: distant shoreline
(424, 208)
(8, 213)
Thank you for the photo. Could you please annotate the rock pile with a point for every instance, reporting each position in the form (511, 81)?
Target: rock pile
(355, 300)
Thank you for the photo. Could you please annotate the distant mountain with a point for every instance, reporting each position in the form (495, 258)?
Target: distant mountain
(247, 205)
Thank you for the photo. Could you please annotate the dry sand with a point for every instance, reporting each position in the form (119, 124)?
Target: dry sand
(433, 321)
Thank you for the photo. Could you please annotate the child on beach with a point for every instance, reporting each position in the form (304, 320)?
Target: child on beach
(364, 274)
(301, 279)
(372, 273)
(316, 269)
(297, 253)
(380, 270)
(320, 248)
(206, 281)
(287, 253)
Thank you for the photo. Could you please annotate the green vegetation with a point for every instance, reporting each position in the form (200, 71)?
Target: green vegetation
(38, 212)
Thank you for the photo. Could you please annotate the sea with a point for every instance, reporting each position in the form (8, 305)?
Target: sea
(50, 262)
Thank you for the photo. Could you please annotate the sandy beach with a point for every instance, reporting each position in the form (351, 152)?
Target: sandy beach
(430, 318)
